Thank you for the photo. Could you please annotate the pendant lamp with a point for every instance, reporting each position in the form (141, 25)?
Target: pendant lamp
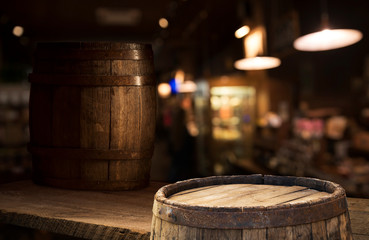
(255, 45)
(327, 39)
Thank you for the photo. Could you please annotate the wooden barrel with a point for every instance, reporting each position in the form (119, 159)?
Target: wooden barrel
(92, 115)
(251, 207)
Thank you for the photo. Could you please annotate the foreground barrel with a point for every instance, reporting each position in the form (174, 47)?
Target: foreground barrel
(92, 115)
(251, 207)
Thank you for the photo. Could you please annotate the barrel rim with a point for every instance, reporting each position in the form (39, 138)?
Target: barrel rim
(250, 217)
(103, 45)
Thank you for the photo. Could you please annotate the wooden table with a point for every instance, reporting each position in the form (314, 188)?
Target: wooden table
(105, 215)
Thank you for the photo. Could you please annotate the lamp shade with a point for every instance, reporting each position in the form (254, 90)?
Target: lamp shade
(327, 39)
(257, 63)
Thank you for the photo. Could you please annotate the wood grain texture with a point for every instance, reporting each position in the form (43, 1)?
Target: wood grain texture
(66, 117)
(127, 216)
(250, 234)
(251, 195)
(85, 214)
(95, 117)
(95, 131)
(318, 230)
(125, 123)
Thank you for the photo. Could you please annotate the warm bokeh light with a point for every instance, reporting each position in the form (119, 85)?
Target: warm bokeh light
(327, 39)
(179, 76)
(18, 31)
(187, 87)
(257, 63)
(164, 90)
(254, 43)
(242, 31)
(163, 23)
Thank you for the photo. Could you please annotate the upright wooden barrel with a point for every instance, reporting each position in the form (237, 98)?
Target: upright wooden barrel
(92, 115)
(251, 207)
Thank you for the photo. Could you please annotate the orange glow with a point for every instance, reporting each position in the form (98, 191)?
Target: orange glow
(164, 90)
(179, 77)
(18, 31)
(254, 43)
(163, 23)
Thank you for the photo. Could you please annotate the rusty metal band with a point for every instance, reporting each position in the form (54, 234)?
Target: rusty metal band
(92, 80)
(78, 153)
(77, 54)
(250, 218)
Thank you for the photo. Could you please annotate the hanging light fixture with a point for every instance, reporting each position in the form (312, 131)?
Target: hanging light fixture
(257, 63)
(327, 39)
(254, 45)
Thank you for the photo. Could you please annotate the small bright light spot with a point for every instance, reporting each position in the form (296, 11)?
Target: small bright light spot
(242, 31)
(18, 31)
(164, 90)
(163, 23)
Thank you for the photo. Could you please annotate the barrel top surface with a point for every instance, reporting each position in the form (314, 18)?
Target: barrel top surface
(246, 195)
(249, 201)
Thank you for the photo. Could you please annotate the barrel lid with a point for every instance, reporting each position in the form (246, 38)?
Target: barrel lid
(253, 201)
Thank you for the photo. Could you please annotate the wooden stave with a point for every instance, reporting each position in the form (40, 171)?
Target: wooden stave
(161, 229)
(223, 217)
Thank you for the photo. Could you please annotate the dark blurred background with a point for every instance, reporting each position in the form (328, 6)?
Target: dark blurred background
(276, 121)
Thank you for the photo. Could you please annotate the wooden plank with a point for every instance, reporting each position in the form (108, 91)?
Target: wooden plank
(148, 116)
(83, 214)
(210, 234)
(94, 67)
(315, 196)
(274, 197)
(277, 233)
(66, 117)
(95, 130)
(319, 230)
(345, 230)
(333, 231)
(250, 234)
(239, 195)
(95, 117)
(157, 228)
(185, 232)
(132, 67)
(126, 170)
(216, 192)
(168, 230)
(125, 118)
(302, 231)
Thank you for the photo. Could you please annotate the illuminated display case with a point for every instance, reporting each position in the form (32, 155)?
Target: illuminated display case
(232, 108)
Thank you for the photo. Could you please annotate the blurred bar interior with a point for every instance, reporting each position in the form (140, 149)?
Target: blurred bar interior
(219, 112)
